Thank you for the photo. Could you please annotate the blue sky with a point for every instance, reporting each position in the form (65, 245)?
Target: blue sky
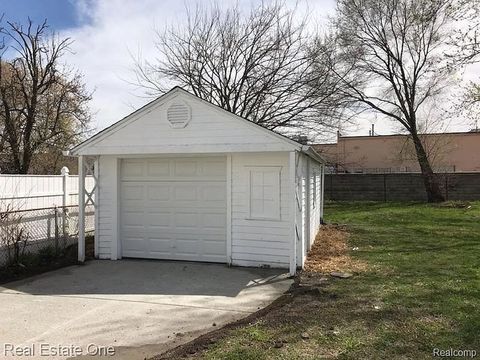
(61, 14)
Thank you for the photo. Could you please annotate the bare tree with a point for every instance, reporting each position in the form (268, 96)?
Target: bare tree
(13, 237)
(475, 93)
(256, 65)
(43, 104)
(399, 55)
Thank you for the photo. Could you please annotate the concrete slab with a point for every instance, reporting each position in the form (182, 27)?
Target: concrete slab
(139, 307)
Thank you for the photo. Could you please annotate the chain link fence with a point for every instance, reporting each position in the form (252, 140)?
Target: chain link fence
(46, 232)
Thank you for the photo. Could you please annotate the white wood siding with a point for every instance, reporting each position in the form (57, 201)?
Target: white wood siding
(106, 202)
(253, 242)
(315, 200)
(301, 207)
(309, 204)
(210, 130)
(259, 242)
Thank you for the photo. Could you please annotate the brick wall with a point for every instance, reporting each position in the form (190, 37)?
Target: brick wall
(399, 187)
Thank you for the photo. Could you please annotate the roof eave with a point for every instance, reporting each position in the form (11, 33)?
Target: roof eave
(310, 151)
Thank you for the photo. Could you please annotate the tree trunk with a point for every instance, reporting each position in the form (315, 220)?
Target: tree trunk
(434, 194)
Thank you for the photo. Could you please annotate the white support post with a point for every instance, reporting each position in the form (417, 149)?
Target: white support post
(81, 208)
(116, 246)
(293, 209)
(229, 209)
(308, 208)
(87, 166)
(96, 194)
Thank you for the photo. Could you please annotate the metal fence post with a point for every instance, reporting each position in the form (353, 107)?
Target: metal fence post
(55, 222)
(65, 226)
(385, 187)
(49, 227)
(446, 186)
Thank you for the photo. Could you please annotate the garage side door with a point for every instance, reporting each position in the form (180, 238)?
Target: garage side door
(174, 208)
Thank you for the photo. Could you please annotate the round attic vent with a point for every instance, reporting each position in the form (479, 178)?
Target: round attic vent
(178, 114)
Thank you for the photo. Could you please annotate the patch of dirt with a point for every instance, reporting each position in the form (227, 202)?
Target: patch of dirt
(331, 252)
(197, 346)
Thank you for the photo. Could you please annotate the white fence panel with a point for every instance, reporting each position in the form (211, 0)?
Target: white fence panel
(24, 192)
(42, 204)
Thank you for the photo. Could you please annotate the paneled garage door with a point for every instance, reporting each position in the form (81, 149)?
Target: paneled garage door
(174, 208)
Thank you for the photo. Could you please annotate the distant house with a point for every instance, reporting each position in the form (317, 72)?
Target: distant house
(449, 152)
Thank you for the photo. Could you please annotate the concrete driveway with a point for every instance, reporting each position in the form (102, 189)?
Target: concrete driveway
(140, 307)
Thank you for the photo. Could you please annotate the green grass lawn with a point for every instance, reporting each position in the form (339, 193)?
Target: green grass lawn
(422, 291)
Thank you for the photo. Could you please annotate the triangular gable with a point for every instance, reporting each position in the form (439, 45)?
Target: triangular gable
(210, 129)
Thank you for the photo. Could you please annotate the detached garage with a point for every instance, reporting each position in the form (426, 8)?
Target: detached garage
(182, 179)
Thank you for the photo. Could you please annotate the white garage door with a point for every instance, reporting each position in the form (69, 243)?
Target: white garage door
(174, 208)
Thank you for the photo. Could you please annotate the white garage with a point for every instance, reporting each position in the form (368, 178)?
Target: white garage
(182, 179)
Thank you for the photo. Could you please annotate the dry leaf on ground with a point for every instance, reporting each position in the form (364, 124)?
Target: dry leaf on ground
(330, 252)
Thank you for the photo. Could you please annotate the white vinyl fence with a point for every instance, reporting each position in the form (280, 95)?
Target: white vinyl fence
(25, 192)
(43, 209)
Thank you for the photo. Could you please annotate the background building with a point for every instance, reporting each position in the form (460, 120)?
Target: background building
(448, 152)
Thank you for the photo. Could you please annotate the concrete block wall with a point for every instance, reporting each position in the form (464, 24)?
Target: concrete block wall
(399, 187)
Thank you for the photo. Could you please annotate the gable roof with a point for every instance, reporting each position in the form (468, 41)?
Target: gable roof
(164, 98)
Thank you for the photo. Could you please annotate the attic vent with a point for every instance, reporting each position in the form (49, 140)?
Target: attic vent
(178, 115)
